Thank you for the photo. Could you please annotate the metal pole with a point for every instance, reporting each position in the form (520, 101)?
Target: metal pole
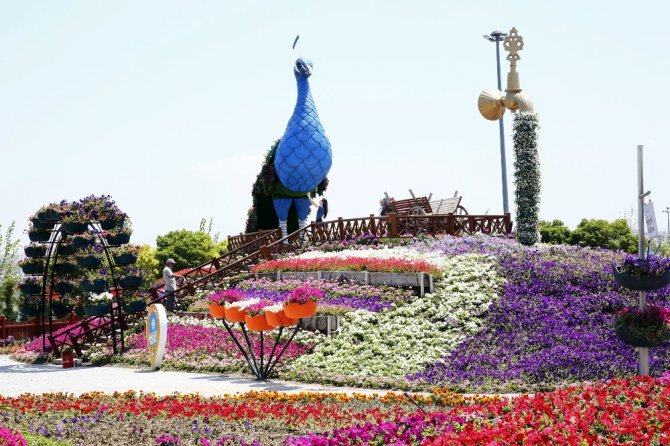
(643, 359)
(667, 211)
(503, 162)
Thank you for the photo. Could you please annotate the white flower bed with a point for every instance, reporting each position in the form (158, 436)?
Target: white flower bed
(397, 252)
(403, 339)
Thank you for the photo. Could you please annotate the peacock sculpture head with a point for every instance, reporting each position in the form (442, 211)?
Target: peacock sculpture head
(303, 157)
(303, 68)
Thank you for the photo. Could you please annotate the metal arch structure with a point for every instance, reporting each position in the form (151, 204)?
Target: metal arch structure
(58, 239)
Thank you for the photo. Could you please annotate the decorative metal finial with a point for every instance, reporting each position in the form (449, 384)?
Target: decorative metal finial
(513, 43)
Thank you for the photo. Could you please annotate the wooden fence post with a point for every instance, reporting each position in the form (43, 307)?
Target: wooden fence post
(507, 219)
(373, 229)
(3, 323)
(265, 252)
(340, 227)
(73, 317)
(393, 223)
(451, 220)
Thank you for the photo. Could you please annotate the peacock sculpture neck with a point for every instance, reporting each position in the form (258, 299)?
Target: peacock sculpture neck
(303, 157)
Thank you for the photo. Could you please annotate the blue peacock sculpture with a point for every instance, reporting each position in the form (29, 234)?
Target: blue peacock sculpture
(303, 157)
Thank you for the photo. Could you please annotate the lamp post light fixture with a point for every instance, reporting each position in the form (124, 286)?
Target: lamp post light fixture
(667, 211)
(493, 103)
(497, 37)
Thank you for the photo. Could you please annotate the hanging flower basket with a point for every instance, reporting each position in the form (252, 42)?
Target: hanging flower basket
(65, 268)
(39, 236)
(118, 239)
(96, 310)
(80, 242)
(125, 259)
(629, 338)
(74, 227)
(64, 287)
(60, 310)
(111, 223)
(279, 319)
(130, 281)
(217, 311)
(66, 250)
(257, 323)
(32, 268)
(89, 261)
(644, 283)
(42, 225)
(35, 251)
(30, 288)
(93, 286)
(135, 307)
(29, 310)
(234, 314)
(299, 311)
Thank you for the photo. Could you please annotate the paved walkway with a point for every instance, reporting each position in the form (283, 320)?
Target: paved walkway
(17, 378)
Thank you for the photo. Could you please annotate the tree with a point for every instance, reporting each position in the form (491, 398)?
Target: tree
(9, 248)
(187, 248)
(147, 261)
(598, 233)
(9, 298)
(554, 233)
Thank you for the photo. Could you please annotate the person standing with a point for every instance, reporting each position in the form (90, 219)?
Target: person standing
(170, 281)
(322, 208)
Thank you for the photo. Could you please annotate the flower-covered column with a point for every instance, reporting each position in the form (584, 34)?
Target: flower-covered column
(526, 177)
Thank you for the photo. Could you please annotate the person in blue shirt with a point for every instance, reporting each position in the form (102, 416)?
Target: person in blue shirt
(322, 208)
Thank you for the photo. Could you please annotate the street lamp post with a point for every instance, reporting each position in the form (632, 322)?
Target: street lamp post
(497, 37)
(667, 211)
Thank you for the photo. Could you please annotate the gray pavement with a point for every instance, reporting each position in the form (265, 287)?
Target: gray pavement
(17, 378)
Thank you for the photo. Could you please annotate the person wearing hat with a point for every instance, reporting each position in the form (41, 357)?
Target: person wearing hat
(170, 281)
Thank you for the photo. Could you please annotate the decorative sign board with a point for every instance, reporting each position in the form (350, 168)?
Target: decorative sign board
(156, 334)
(650, 218)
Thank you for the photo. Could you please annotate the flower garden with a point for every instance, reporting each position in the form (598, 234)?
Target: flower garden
(502, 319)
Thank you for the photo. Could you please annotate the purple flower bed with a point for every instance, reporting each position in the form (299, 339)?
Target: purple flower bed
(345, 296)
(552, 325)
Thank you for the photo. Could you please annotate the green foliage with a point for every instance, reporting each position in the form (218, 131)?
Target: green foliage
(38, 440)
(187, 248)
(9, 247)
(526, 177)
(554, 233)
(598, 233)
(147, 261)
(9, 298)
(262, 214)
(221, 247)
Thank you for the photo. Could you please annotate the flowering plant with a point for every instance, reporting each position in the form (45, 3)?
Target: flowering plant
(651, 266)
(101, 298)
(652, 324)
(226, 297)
(259, 308)
(31, 261)
(303, 294)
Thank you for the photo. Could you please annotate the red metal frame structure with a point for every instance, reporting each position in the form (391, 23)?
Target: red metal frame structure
(265, 245)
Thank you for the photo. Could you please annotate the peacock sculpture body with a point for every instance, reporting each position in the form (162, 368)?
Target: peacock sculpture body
(303, 156)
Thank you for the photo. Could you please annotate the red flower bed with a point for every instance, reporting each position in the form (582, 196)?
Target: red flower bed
(346, 264)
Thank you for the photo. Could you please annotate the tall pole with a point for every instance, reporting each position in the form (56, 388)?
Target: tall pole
(497, 37)
(643, 358)
(667, 211)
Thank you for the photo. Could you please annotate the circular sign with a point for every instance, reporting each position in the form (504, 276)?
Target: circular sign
(156, 334)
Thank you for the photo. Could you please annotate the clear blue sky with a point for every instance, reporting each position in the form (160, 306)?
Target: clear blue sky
(168, 106)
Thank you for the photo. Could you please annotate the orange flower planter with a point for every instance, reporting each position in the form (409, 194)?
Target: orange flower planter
(257, 323)
(299, 311)
(279, 319)
(217, 311)
(234, 314)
